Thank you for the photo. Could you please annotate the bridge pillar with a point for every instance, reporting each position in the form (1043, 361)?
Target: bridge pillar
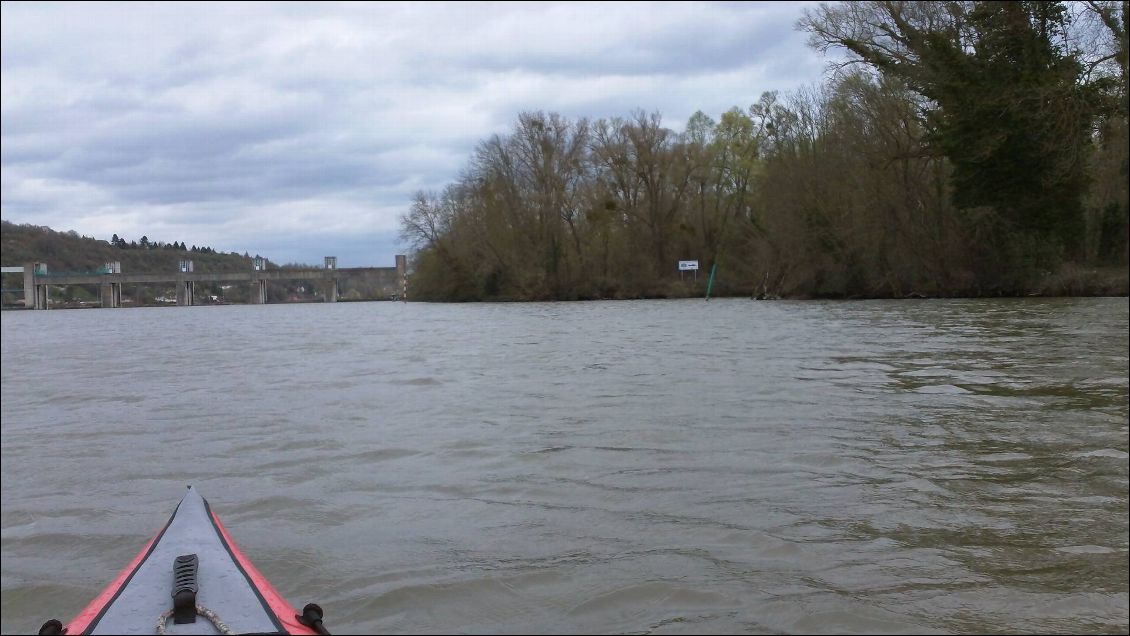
(402, 275)
(29, 285)
(331, 290)
(41, 294)
(111, 295)
(258, 292)
(186, 293)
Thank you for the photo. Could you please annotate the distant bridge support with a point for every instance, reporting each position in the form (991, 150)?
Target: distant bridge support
(111, 295)
(39, 297)
(36, 292)
(331, 275)
(186, 293)
(258, 292)
(30, 294)
(392, 282)
(402, 275)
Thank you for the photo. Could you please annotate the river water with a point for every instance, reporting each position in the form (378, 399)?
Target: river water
(626, 467)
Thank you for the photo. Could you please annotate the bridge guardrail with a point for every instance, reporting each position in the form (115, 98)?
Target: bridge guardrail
(56, 274)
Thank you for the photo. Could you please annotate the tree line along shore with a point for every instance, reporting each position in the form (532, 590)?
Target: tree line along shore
(960, 149)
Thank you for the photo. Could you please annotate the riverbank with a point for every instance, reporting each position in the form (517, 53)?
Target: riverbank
(1069, 281)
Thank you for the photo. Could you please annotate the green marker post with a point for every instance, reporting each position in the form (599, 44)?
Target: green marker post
(710, 283)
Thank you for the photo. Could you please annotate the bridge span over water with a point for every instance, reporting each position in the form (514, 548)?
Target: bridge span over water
(110, 279)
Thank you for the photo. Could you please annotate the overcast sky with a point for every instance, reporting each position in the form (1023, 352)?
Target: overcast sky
(298, 131)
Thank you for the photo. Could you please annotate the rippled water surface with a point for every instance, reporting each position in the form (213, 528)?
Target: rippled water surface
(631, 467)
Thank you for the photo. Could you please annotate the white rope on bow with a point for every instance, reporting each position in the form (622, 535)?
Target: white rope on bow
(163, 621)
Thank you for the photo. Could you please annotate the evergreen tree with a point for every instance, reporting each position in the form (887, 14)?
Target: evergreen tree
(1005, 102)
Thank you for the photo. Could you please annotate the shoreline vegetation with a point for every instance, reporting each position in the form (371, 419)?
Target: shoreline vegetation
(961, 149)
(1071, 282)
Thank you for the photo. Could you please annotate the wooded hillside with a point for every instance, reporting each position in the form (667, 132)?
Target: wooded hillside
(68, 251)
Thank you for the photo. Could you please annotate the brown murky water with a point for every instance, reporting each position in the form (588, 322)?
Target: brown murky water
(627, 467)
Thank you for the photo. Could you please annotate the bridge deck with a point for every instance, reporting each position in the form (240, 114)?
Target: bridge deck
(97, 278)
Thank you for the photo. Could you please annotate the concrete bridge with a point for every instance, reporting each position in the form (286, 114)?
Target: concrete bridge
(37, 280)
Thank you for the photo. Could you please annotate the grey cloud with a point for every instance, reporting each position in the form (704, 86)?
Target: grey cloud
(207, 119)
(702, 46)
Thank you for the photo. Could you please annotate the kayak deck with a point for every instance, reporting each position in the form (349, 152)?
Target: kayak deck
(228, 584)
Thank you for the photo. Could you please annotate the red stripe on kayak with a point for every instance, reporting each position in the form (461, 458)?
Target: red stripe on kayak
(92, 611)
(283, 611)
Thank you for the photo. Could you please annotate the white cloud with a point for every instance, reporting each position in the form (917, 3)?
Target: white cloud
(299, 127)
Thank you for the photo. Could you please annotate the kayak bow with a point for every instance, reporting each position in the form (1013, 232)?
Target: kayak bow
(192, 567)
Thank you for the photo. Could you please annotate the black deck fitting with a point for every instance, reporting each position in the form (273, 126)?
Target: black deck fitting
(185, 588)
